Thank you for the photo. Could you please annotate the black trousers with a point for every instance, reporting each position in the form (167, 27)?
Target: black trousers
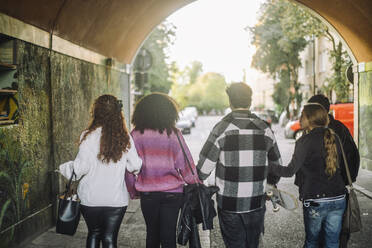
(241, 230)
(103, 225)
(160, 210)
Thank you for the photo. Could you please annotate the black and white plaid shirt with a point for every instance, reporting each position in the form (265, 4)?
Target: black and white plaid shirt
(240, 148)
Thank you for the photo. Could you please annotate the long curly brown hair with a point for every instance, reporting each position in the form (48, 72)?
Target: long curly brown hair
(106, 113)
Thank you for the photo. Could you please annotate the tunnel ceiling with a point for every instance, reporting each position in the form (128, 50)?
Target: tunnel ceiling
(116, 28)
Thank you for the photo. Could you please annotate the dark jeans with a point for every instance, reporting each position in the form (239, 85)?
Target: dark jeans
(242, 230)
(160, 210)
(103, 225)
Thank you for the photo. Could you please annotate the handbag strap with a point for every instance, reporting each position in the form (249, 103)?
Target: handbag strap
(350, 182)
(68, 186)
(186, 158)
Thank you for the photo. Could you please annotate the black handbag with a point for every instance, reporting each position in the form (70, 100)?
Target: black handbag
(351, 221)
(68, 211)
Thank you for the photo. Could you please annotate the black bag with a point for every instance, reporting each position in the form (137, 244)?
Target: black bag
(68, 211)
(351, 221)
(198, 207)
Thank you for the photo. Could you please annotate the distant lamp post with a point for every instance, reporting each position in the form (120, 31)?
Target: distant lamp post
(142, 64)
(143, 61)
(314, 80)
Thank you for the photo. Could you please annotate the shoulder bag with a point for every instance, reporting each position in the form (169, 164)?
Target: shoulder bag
(68, 211)
(351, 220)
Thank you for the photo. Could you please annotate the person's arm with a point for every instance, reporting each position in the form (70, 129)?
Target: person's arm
(81, 164)
(130, 178)
(134, 162)
(208, 156)
(274, 158)
(181, 164)
(298, 159)
(130, 181)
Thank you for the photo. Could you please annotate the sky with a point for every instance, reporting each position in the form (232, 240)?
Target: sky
(213, 32)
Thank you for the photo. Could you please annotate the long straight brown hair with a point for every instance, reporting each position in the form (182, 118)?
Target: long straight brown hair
(106, 113)
(317, 116)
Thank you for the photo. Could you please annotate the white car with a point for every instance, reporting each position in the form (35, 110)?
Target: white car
(184, 123)
(191, 113)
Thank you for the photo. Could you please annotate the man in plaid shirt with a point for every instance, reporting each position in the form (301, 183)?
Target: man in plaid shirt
(240, 148)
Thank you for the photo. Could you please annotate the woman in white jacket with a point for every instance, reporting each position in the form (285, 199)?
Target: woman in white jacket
(106, 150)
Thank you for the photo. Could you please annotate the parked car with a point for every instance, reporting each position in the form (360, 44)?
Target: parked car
(191, 113)
(227, 111)
(343, 112)
(283, 119)
(272, 115)
(264, 116)
(293, 130)
(184, 123)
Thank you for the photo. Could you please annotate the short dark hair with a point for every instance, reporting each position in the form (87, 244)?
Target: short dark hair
(240, 95)
(156, 111)
(321, 99)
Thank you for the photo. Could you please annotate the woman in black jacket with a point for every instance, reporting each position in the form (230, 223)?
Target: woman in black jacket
(316, 162)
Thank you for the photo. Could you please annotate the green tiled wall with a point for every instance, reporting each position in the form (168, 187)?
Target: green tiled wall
(365, 117)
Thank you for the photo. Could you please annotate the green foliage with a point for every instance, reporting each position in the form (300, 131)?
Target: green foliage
(278, 47)
(194, 71)
(337, 81)
(157, 44)
(283, 31)
(4, 208)
(281, 95)
(206, 93)
(12, 185)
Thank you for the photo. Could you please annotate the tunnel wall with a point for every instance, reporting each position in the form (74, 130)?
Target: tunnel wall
(55, 93)
(365, 115)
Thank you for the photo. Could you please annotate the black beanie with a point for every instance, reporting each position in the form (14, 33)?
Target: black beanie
(321, 99)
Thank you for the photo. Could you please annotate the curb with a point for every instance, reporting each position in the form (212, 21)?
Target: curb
(363, 191)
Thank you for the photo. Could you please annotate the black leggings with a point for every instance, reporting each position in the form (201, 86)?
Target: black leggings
(103, 225)
(160, 210)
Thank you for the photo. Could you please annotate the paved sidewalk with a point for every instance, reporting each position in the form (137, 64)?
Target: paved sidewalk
(132, 233)
(364, 182)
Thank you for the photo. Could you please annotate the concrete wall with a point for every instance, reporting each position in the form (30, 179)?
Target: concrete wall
(365, 115)
(54, 101)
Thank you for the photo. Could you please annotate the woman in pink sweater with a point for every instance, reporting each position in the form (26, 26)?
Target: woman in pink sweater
(164, 170)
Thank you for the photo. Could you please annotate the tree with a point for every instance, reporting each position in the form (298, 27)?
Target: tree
(206, 93)
(277, 51)
(157, 44)
(301, 23)
(283, 31)
(281, 94)
(194, 71)
(183, 79)
(337, 81)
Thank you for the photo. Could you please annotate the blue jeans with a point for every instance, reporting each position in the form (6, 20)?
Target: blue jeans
(241, 230)
(325, 219)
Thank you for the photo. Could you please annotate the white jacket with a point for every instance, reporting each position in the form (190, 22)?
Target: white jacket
(103, 184)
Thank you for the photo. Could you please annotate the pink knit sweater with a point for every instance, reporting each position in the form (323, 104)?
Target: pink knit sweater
(164, 167)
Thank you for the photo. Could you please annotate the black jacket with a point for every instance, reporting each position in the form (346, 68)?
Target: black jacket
(308, 162)
(351, 151)
(198, 208)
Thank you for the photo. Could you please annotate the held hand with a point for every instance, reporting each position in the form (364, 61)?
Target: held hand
(271, 186)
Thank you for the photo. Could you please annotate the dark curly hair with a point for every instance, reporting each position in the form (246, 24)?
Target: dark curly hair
(156, 111)
(106, 113)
